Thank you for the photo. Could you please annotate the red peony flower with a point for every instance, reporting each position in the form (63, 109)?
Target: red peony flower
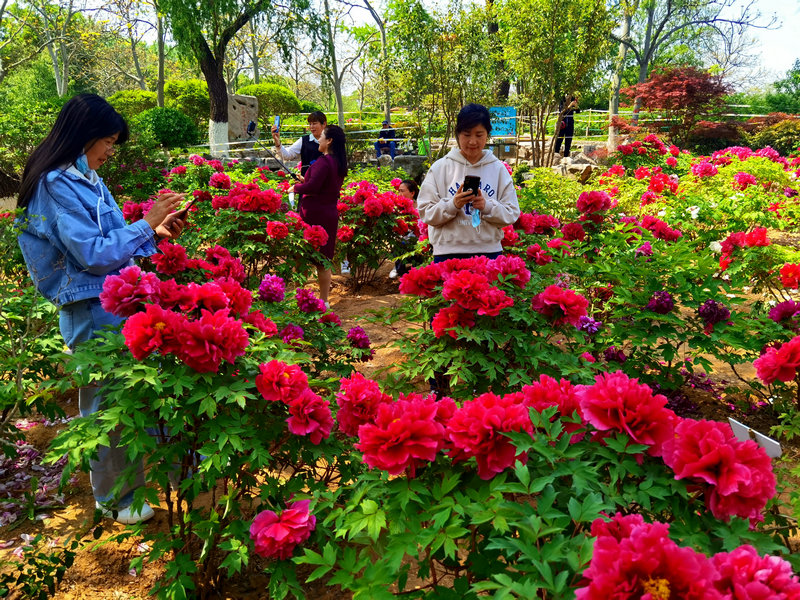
(276, 536)
(214, 337)
(239, 299)
(573, 231)
(790, 275)
(511, 268)
(310, 415)
(510, 236)
(466, 288)
(422, 281)
(618, 403)
(635, 560)
(220, 181)
(316, 236)
(345, 233)
(172, 259)
(565, 306)
(280, 382)
(593, 201)
(538, 255)
(743, 574)
(171, 295)
(358, 401)
(757, 237)
(405, 434)
(277, 230)
(477, 428)
(264, 324)
(126, 293)
(208, 296)
(152, 331)
(448, 318)
(548, 392)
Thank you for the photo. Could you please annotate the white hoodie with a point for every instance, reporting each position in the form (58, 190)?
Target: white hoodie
(450, 229)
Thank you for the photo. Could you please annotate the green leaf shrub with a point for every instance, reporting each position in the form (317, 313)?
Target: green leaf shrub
(168, 126)
(130, 103)
(190, 96)
(273, 100)
(783, 137)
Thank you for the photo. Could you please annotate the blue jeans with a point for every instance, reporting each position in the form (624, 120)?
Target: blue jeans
(79, 322)
(392, 148)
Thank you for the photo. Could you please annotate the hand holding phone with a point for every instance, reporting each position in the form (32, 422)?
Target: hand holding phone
(185, 210)
(277, 123)
(472, 183)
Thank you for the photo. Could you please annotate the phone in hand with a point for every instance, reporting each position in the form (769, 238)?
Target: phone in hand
(277, 123)
(472, 183)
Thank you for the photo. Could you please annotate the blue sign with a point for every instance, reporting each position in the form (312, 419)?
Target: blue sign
(504, 121)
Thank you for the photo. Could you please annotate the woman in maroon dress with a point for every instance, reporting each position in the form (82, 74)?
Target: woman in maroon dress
(320, 190)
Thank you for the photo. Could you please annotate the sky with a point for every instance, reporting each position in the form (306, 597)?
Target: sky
(779, 47)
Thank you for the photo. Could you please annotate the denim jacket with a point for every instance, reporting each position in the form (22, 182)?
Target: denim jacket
(73, 234)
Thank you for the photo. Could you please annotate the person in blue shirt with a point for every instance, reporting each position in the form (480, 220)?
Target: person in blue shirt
(73, 236)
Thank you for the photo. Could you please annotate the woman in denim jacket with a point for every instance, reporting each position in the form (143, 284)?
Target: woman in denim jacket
(73, 235)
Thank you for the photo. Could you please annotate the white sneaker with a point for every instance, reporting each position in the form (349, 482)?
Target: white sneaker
(126, 516)
(393, 274)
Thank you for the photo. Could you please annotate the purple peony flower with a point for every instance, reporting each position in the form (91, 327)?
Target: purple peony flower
(307, 302)
(713, 312)
(291, 333)
(784, 311)
(272, 288)
(661, 303)
(645, 250)
(612, 354)
(358, 338)
(789, 192)
(589, 325)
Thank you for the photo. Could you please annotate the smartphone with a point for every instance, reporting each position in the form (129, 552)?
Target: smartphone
(186, 207)
(473, 183)
(277, 122)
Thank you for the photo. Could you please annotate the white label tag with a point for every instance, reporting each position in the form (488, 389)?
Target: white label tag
(744, 433)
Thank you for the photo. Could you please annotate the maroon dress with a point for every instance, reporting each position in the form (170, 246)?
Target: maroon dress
(319, 204)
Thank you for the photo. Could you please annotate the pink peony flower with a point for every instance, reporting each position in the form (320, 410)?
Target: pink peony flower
(744, 575)
(448, 318)
(277, 230)
(779, 363)
(126, 293)
(276, 536)
(593, 201)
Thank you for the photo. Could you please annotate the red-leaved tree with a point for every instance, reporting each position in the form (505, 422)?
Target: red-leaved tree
(685, 94)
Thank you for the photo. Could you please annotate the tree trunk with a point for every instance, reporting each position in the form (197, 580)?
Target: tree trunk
(161, 60)
(502, 84)
(254, 54)
(212, 68)
(616, 82)
(139, 75)
(644, 61)
(336, 78)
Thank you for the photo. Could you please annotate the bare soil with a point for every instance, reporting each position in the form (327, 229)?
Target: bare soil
(102, 570)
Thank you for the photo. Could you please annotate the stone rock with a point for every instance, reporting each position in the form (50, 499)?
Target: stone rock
(413, 165)
(528, 176)
(582, 159)
(560, 170)
(241, 110)
(385, 160)
(589, 148)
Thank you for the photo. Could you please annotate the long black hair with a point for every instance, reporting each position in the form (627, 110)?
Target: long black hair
(84, 118)
(337, 147)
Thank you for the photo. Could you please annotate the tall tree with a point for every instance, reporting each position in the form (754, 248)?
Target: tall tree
(15, 48)
(552, 47)
(204, 29)
(441, 60)
(54, 27)
(656, 24)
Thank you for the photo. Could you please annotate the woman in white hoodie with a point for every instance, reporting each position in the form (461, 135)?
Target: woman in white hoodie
(462, 224)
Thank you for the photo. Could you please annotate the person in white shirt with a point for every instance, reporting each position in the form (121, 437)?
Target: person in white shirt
(307, 147)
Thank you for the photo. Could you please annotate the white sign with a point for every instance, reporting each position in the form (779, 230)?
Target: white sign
(744, 433)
